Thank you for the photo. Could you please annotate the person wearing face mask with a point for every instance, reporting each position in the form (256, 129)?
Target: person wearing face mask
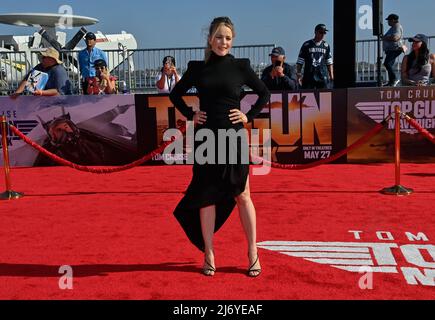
(217, 187)
(419, 65)
(168, 76)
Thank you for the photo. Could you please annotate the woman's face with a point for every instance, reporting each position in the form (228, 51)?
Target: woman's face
(100, 70)
(168, 65)
(222, 41)
(416, 45)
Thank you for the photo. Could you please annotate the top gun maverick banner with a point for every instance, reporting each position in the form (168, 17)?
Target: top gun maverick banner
(370, 105)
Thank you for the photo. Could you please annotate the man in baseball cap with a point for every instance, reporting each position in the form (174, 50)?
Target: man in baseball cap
(316, 58)
(392, 17)
(277, 51)
(279, 75)
(91, 36)
(87, 58)
(321, 28)
(393, 47)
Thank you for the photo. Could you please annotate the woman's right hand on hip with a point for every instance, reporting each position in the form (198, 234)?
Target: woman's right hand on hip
(200, 117)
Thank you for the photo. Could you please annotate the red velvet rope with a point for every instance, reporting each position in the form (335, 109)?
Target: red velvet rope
(420, 129)
(332, 158)
(64, 162)
(149, 156)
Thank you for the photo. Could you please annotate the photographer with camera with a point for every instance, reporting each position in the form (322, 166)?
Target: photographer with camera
(316, 57)
(168, 77)
(279, 75)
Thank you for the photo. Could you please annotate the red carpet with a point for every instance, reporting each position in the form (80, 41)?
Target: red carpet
(118, 234)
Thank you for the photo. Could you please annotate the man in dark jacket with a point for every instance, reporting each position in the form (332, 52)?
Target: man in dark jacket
(279, 75)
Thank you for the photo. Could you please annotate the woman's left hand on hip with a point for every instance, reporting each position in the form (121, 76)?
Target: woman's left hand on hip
(237, 116)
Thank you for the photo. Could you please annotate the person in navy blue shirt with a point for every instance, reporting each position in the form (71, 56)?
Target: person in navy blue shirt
(316, 58)
(57, 83)
(87, 58)
(279, 75)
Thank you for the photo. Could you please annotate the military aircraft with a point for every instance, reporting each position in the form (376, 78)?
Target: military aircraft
(18, 54)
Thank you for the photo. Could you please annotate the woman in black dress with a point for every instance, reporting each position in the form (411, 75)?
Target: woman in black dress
(215, 189)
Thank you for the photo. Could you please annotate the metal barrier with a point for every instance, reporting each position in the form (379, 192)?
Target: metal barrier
(14, 65)
(366, 59)
(136, 70)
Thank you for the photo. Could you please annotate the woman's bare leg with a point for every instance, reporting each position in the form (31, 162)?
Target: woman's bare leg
(208, 219)
(248, 219)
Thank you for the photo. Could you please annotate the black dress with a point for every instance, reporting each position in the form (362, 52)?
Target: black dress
(219, 83)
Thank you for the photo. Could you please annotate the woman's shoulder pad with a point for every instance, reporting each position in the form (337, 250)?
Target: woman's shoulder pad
(243, 62)
(195, 63)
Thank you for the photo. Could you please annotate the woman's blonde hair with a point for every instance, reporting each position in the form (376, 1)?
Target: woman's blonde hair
(214, 26)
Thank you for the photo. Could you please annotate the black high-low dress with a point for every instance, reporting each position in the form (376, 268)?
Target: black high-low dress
(219, 83)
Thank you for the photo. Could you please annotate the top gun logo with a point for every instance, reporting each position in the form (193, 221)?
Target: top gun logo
(25, 126)
(301, 123)
(378, 256)
(418, 102)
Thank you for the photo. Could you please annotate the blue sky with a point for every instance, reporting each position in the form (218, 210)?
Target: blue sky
(175, 23)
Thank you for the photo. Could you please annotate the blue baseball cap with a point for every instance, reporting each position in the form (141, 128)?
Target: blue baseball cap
(278, 51)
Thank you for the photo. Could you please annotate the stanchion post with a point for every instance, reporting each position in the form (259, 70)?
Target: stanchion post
(397, 189)
(9, 194)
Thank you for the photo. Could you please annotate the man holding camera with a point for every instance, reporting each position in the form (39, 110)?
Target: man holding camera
(316, 57)
(279, 75)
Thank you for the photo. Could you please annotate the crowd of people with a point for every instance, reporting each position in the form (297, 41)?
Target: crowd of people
(312, 70)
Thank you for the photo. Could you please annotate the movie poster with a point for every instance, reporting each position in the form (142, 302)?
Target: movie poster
(368, 106)
(303, 125)
(87, 130)
(306, 126)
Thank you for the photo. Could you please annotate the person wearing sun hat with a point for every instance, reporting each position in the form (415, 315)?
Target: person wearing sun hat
(418, 65)
(49, 78)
